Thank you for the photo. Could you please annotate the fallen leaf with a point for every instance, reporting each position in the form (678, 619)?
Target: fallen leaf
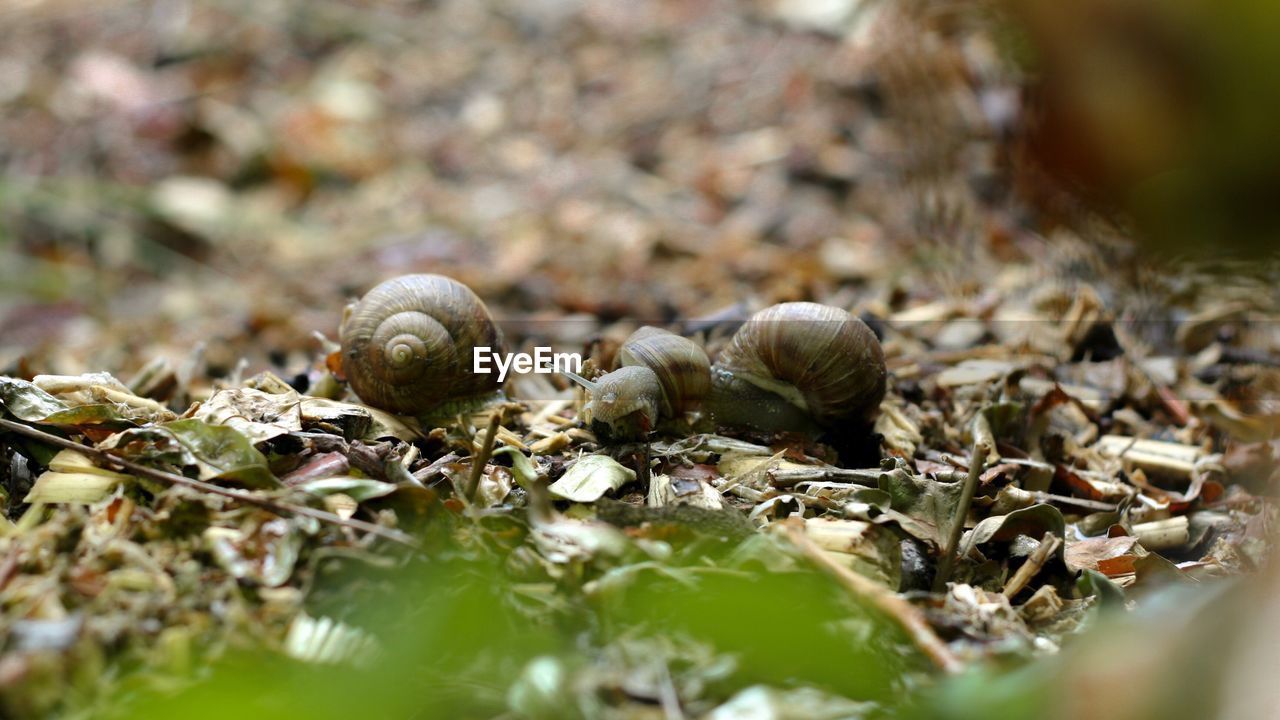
(591, 478)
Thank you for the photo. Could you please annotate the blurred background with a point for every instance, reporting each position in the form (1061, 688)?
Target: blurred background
(229, 173)
(216, 179)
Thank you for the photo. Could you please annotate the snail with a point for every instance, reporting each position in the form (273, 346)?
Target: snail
(799, 366)
(663, 376)
(796, 366)
(408, 344)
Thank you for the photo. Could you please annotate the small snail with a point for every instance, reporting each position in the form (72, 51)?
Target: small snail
(407, 345)
(795, 366)
(663, 375)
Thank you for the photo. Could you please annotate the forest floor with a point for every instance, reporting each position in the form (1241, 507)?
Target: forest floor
(201, 518)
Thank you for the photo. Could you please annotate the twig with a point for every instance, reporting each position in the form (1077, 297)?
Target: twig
(480, 459)
(1048, 545)
(1074, 501)
(788, 477)
(1173, 404)
(8, 568)
(906, 615)
(647, 476)
(240, 495)
(977, 461)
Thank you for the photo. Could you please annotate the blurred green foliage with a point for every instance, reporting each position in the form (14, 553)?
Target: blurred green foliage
(453, 643)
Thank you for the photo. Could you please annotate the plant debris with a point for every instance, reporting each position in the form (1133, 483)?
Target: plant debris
(1075, 439)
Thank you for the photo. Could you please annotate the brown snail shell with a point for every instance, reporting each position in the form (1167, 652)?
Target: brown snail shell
(682, 367)
(408, 344)
(799, 364)
(663, 375)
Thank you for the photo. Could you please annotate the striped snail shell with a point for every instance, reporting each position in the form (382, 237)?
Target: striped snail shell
(408, 344)
(663, 375)
(798, 365)
(681, 366)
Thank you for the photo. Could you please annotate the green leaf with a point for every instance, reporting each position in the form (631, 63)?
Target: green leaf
(521, 466)
(89, 415)
(1007, 420)
(874, 497)
(26, 401)
(1093, 583)
(1154, 570)
(590, 478)
(217, 451)
(1033, 521)
(930, 503)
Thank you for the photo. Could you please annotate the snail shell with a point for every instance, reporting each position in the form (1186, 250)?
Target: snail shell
(663, 375)
(799, 364)
(408, 344)
(684, 373)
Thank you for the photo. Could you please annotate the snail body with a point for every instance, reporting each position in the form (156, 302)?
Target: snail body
(800, 367)
(408, 344)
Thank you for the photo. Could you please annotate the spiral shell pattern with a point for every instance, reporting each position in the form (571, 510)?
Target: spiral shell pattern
(408, 344)
(817, 357)
(684, 373)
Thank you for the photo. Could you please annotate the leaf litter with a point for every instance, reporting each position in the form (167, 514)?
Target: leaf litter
(192, 521)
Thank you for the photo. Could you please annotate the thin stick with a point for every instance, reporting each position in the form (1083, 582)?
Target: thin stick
(1048, 545)
(906, 615)
(789, 477)
(977, 461)
(480, 459)
(1077, 502)
(240, 495)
